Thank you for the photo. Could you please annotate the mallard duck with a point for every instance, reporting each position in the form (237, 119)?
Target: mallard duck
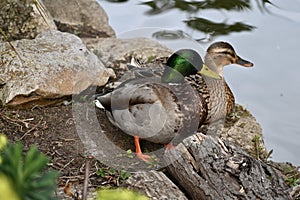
(159, 109)
(219, 99)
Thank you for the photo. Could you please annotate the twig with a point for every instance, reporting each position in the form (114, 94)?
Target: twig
(26, 133)
(86, 178)
(76, 177)
(14, 121)
(68, 139)
(11, 45)
(68, 163)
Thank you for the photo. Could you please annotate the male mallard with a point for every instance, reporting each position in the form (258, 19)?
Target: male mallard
(159, 109)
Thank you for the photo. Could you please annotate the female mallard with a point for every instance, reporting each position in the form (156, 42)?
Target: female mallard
(159, 109)
(219, 100)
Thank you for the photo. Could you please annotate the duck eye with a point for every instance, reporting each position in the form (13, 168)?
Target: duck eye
(230, 54)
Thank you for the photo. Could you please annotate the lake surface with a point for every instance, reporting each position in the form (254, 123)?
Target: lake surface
(270, 90)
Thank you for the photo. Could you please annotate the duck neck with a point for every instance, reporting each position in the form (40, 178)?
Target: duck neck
(217, 97)
(214, 64)
(171, 75)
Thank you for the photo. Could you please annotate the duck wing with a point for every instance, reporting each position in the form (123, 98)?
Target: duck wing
(144, 108)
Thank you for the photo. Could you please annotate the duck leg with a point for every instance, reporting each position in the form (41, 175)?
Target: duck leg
(138, 150)
(169, 146)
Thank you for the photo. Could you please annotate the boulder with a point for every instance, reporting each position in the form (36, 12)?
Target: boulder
(242, 129)
(85, 18)
(114, 52)
(117, 53)
(21, 19)
(50, 67)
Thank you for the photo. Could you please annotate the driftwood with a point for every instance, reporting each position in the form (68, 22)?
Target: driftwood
(152, 183)
(204, 167)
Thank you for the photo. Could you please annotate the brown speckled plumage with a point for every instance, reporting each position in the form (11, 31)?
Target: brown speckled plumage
(218, 96)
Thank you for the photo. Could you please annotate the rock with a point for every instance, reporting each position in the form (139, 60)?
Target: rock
(21, 19)
(113, 51)
(85, 18)
(242, 128)
(117, 53)
(51, 66)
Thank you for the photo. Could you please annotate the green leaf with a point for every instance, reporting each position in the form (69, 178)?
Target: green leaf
(124, 175)
(112, 171)
(129, 153)
(101, 172)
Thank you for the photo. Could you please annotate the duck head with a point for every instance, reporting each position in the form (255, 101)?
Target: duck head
(185, 62)
(220, 54)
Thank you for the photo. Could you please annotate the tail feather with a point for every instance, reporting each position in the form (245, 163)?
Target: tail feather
(104, 102)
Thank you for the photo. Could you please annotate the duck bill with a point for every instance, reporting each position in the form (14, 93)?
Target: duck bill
(242, 62)
(208, 72)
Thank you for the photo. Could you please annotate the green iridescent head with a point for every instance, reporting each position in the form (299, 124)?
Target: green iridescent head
(185, 62)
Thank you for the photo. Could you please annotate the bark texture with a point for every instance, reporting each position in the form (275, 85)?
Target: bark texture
(209, 168)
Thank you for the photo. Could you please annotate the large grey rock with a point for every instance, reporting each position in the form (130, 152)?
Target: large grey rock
(21, 19)
(113, 52)
(85, 18)
(242, 129)
(51, 66)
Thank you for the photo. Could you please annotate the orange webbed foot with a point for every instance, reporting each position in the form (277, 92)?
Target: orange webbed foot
(144, 157)
(138, 150)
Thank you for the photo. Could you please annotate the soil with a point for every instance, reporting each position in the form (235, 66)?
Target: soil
(53, 131)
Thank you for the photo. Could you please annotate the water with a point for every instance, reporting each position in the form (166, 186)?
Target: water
(270, 90)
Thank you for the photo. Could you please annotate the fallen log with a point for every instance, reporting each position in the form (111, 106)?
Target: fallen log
(210, 168)
(155, 185)
(204, 167)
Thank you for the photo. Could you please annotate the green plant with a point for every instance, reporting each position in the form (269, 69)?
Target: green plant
(119, 194)
(238, 113)
(101, 172)
(292, 176)
(124, 175)
(110, 172)
(3, 142)
(129, 153)
(6, 187)
(259, 151)
(27, 173)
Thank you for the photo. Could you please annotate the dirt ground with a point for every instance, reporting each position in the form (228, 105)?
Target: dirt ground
(53, 131)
